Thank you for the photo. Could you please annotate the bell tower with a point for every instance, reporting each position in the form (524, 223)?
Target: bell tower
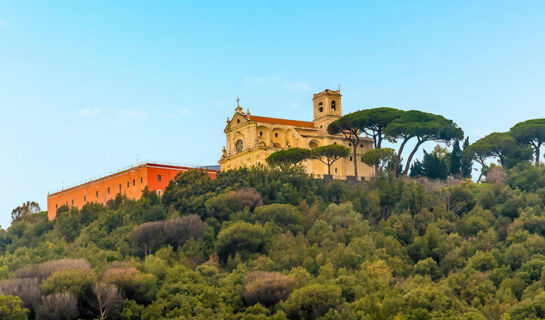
(327, 108)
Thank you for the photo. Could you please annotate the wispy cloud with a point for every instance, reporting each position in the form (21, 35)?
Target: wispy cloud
(294, 105)
(297, 86)
(3, 22)
(261, 81)
(99, 113)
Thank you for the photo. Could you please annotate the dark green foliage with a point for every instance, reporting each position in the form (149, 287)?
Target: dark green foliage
(455, 159)
(312, 302)
(290, 248)
(532, 133)
(466, 164)
(288, 157)
(329, 154)
(283, 215)
(423, 127)
(432, 166)
(240, 237)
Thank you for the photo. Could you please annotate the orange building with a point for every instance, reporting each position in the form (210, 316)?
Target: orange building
(128, 182)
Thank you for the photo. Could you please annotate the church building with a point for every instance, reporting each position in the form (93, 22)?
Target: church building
(251, 139)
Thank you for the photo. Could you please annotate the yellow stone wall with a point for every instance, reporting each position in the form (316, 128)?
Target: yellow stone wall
(260, 139)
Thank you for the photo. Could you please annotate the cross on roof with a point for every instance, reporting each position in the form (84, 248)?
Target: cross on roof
(238, 100)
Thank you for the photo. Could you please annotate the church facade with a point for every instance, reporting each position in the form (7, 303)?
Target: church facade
(251, 139)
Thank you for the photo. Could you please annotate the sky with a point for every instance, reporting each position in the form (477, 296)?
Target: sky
(88, 87)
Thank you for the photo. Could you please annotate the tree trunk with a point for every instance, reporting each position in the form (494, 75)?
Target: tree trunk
(329, 168)
(538, 147)
(398, 157)
(418, 144)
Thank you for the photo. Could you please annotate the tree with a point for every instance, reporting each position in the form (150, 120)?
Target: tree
(530, 132)
(288, 157)
(312, 302)
(456, 159)
(240, 237)
(466, 165)
(58, 306)
(433, 165)
(181, 229)
(11, 307)
(329, 154)
(349, 126)
(267, 288)
(500, 145)
(380, 158)
(108, 299)
(422, 126)
(149, 235)
(373, 121)
(25, 210)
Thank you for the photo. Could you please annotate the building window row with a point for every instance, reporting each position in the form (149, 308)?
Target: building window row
(108, 190)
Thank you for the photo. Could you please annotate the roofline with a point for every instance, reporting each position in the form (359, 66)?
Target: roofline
(115, 174)
(305, 124)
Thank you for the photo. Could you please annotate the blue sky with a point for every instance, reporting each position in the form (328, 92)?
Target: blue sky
(87, 87)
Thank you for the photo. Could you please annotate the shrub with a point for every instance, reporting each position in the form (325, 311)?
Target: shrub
(429, 267)
(179, 230)
(283, 215)
(58, 306)
(11, 307)
(483, 261)
(222, 205)
(133, 284)
(74, 281)
(533, 308)
(149, 235)
(28, 289)
(46, 269)
(312, 302)
(240, 237)
(267, 288)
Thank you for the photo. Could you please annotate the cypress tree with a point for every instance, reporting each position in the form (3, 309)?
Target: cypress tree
(455, 159)
(466, 161)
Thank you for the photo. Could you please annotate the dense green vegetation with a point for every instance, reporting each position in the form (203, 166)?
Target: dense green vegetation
(263, 243)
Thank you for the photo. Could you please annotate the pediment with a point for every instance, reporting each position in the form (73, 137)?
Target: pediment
(237, 120)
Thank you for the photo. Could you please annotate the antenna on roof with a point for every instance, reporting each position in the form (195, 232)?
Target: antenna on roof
(339, 87)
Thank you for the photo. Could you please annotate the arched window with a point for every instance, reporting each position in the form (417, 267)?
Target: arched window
(159, 192)
(333, 105)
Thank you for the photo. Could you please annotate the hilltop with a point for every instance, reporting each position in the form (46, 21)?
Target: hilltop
(268, 243)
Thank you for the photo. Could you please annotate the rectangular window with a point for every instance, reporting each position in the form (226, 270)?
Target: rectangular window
(72, 201)
(67, 203)
(350, 158)
(141, 180)
(159, 177)
(133, 182)
(128, 184)
(56, 206)
(97, 194)
(85, 198)
(120, 187)
(108, 190)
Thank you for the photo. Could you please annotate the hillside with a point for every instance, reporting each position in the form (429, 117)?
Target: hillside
(268, 243)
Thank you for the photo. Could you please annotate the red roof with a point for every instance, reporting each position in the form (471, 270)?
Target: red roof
(296, 123)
